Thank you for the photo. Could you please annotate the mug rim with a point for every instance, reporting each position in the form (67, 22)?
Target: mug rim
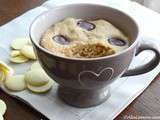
(82, 59)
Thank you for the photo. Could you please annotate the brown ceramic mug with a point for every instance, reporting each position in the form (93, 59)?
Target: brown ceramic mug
(83, 82)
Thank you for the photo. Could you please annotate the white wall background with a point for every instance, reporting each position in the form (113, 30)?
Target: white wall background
(153, 4)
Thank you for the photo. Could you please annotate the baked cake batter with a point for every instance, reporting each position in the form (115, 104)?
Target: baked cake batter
(84, 39)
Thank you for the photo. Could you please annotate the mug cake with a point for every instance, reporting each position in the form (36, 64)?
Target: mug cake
(78, 38)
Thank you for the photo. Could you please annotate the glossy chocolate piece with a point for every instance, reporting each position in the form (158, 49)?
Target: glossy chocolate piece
(116, 41)
(61, 39)
(86, 25)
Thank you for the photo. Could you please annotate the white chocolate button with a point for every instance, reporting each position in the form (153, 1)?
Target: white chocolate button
(15, 53)
(15, 83)
(3, 107)
(6, 69)
(37, 77)
(19, 59)
(2, 76)
(36, 65)
(1, 117)
(41, 89)
(18, 43)
(27, 51)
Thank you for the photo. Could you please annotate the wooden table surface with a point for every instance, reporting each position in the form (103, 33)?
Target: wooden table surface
(146, 105)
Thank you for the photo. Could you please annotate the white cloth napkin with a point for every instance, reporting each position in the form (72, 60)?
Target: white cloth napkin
(123, 90)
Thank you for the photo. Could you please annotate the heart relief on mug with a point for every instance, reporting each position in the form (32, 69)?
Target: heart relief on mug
(79, 38)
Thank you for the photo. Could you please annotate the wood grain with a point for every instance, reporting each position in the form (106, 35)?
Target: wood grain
(10, 9)
(147, 104)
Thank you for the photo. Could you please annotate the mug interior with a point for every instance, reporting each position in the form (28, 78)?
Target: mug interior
(83, 11)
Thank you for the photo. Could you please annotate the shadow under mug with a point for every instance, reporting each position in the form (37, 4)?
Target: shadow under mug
(84, 82)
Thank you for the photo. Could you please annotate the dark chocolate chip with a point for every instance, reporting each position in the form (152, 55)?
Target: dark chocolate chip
(86, 25)
(61, 39)
(116, 41)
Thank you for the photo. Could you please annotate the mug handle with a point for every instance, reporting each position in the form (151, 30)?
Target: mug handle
(148, 66)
